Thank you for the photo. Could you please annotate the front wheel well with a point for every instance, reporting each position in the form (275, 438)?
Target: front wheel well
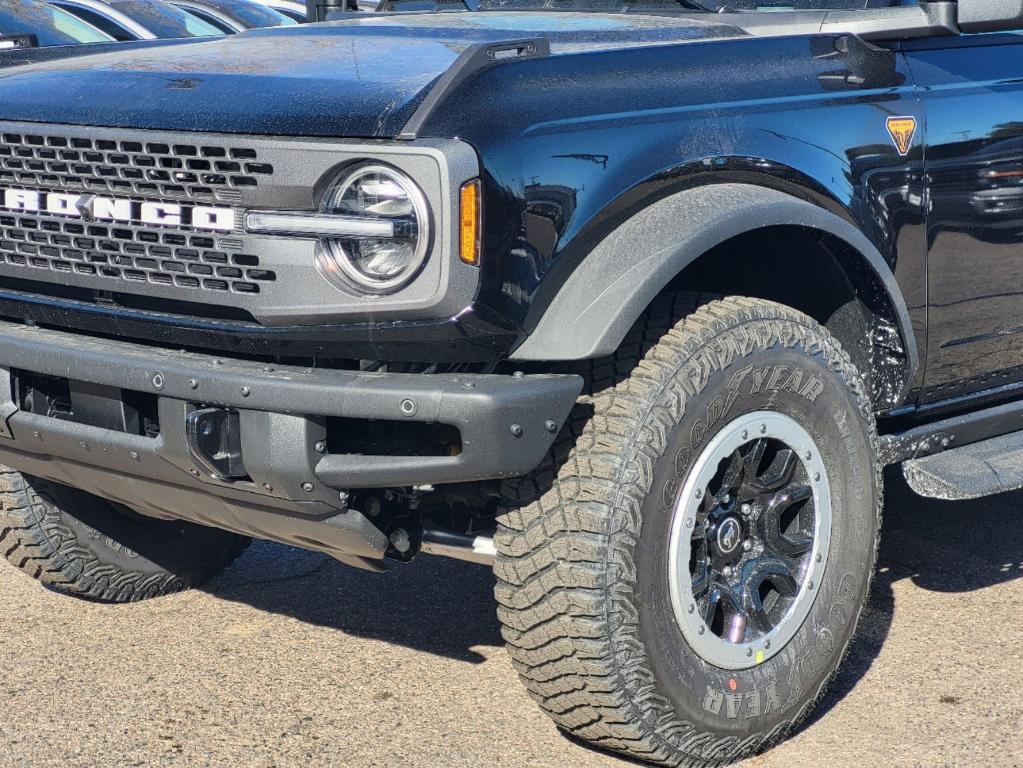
(822, 276)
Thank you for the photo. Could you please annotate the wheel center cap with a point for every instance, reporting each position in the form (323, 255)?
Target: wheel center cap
(729, 536)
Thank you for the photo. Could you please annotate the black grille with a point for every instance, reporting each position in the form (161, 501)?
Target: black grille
(201, 172)
(130, 253)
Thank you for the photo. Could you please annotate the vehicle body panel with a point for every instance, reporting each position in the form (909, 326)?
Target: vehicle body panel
(973, 98)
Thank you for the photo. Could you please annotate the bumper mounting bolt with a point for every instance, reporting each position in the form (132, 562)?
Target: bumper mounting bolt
(408, 407)
(551, 426)
(246, 391)
(516, 430)
(307, 487)
(193, 383)
(400, 540)
(320, 447)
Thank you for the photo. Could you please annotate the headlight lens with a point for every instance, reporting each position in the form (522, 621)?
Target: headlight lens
(376, 264)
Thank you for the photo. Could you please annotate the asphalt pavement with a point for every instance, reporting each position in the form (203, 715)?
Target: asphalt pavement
(291, 659)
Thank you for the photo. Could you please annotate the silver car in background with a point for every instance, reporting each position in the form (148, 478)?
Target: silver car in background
(235, 15)
(138, 19)
(46, 24)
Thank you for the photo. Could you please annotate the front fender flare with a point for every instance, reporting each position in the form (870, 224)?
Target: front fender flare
(606, 294)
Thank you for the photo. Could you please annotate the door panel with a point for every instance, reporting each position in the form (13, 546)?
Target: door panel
(972, 95)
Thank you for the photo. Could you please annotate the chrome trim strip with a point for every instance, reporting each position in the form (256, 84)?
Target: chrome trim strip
(317, 225)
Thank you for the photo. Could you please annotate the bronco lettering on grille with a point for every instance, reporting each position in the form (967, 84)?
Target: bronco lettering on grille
(96, 208)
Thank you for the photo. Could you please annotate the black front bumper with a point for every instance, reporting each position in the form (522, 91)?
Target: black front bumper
(295, 488)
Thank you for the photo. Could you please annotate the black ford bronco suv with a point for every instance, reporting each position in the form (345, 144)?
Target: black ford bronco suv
(632, 299)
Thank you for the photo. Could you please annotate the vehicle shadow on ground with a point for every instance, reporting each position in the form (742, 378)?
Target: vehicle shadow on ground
(435, 605)
(446, 607)
(942, 546)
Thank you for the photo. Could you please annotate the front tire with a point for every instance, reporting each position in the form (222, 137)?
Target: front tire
(602, 587)
(86, 546)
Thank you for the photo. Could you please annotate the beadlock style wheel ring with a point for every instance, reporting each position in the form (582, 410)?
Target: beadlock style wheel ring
(749, 540)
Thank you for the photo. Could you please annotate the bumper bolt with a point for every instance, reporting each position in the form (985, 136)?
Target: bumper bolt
(246, 391)
(320, 447)
(400, 540)
(307, 487)
(135, 455)
(408, 407)
(516, 430)
(193, 383)
(158, 380)
(550, 426)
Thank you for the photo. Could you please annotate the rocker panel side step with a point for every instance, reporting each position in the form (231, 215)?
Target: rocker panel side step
(970, 472)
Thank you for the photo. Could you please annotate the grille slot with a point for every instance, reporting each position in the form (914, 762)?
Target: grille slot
(134, 254)
(199, 172)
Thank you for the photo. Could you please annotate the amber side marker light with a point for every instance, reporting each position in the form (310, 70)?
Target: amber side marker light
(470, 224)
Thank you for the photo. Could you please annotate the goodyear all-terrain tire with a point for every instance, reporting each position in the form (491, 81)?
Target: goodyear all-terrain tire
(83, 545)
(683, 575)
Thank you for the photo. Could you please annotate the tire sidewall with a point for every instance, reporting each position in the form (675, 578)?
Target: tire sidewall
(123, 540)
(802, 385)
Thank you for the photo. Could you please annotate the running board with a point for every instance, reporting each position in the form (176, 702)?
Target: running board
(971, 471)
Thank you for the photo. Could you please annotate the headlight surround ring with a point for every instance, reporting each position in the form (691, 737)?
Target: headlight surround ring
(337, 258)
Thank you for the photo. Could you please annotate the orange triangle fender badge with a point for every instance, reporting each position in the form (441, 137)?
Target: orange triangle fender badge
(902, 130)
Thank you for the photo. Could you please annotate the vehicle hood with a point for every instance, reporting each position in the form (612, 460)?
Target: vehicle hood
(360, 78)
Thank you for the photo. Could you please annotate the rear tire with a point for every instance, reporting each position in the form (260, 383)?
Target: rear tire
(586, 586)
(89, 547)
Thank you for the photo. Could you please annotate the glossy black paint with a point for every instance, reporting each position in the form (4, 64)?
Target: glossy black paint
(627, 109)
(569, 162)
(972, 94)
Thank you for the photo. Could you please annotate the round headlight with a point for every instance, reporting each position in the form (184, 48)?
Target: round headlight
(370, 262)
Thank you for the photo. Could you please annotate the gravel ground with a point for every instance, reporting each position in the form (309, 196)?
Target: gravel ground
(290, 659)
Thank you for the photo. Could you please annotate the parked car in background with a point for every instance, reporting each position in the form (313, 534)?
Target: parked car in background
(48, 24)
(231, 16)
(138, 19)
(290, 8)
